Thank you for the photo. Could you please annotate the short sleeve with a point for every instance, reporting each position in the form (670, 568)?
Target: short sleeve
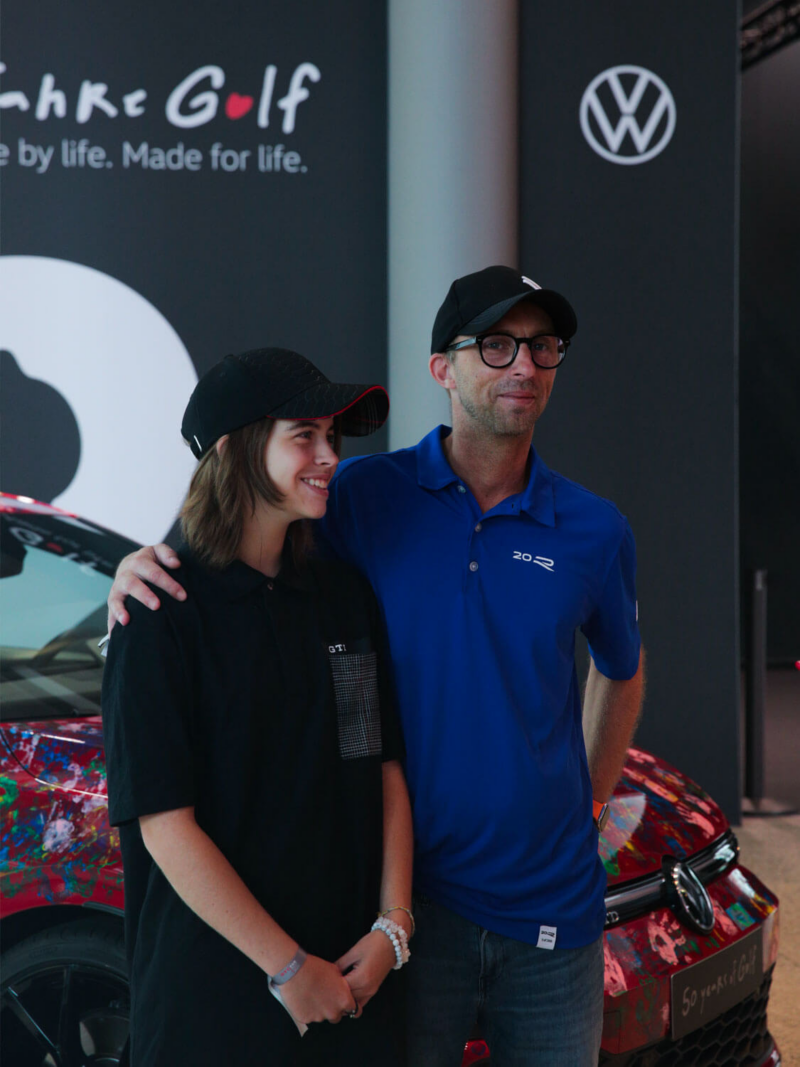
(146, 720)
(612, 629)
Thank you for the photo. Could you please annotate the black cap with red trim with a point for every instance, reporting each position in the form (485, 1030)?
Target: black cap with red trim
(279, 384)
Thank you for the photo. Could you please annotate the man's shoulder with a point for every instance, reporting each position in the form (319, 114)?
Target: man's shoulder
(574, 500)
(360, 470)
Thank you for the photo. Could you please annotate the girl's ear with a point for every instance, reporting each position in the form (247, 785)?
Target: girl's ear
(221, 443)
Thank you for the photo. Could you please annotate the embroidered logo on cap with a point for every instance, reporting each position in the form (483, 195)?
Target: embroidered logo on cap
(533, 285)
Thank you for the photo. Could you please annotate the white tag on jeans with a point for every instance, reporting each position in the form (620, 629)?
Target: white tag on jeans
(547, 937)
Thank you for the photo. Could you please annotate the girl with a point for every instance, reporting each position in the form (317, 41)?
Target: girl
(253, 757)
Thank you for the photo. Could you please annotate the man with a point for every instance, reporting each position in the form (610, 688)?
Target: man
(485, 563)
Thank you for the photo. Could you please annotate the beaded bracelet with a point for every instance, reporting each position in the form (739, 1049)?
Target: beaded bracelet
(399, 907)
(398, 937)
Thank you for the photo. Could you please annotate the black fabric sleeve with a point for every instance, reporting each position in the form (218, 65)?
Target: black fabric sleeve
(146, 717)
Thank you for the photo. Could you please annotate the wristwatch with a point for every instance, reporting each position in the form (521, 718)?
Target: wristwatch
(600, 813)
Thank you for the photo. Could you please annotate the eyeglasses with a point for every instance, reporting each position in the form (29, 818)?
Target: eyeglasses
(500, 349)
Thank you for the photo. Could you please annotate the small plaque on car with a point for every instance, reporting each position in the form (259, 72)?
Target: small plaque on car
(706, 989)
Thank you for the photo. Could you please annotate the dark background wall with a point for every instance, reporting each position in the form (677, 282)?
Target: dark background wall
(232, 258)
(643, 411)
(770, 341)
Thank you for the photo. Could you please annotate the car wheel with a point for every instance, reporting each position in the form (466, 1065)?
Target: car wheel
(65, 999)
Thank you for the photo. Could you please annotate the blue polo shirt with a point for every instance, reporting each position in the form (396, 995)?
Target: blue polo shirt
(481, 612)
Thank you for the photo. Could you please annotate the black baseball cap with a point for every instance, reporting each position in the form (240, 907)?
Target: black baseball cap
(477, 301)
(279, 384)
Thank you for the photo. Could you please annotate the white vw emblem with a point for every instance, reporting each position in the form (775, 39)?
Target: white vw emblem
(624, 109)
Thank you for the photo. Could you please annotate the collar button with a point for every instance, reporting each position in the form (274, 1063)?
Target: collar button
(461, 489)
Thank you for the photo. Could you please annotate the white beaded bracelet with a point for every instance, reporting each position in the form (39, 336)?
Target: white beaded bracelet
(398, 937)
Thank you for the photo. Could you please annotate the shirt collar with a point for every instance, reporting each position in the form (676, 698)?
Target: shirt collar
(434, 472)
(237, 580)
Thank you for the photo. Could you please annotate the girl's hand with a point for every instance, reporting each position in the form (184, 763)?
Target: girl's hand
(318, 993)
(367, 964)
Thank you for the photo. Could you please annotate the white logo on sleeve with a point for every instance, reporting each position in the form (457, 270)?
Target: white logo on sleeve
(547, 937)
(533, 285)
(542, 561)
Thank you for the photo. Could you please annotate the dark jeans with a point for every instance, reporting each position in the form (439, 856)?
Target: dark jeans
(535, 1007)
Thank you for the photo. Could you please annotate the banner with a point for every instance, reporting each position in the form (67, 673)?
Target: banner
(769, 376)
(628, 206)
(178, 182)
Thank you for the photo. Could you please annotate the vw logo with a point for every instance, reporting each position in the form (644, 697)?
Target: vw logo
(615, 120)
(687, 896)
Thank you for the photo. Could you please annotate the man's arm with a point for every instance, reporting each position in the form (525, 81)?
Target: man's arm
(146, 565)
(610, 713)
(204, 879)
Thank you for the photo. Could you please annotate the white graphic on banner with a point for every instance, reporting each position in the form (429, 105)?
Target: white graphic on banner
(626, 111)
(193, 102)
(125, 374)
(197, 100)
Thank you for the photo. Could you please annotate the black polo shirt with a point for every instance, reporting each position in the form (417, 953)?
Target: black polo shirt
(263, 704)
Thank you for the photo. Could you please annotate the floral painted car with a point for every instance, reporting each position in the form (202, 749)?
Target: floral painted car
(691, 936)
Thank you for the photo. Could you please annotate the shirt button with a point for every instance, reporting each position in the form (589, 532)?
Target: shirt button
(461, 489)
(270, 585)
(478, 528)
(473, 566)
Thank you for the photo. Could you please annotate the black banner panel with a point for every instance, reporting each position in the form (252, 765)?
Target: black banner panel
(178, 181)
(628, 202)
(769, 372)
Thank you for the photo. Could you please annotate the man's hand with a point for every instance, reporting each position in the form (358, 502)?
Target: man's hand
(318, 993)
(367, 964)
(132, 573)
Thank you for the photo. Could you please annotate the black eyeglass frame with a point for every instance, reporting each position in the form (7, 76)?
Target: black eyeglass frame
(479, 338)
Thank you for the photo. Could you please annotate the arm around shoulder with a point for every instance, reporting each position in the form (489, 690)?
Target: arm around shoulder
(145, 565)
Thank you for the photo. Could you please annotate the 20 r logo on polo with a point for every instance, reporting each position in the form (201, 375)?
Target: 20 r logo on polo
(628, 115)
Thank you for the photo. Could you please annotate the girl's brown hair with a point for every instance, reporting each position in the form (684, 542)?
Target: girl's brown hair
(225, 489)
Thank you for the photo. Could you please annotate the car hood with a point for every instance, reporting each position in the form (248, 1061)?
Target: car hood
(656, 811)
(65, 755)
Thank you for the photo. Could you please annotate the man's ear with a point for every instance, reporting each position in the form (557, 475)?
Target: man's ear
(220, 444)
(442, 370)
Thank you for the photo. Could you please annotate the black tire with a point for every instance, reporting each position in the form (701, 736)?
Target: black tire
(64, 997)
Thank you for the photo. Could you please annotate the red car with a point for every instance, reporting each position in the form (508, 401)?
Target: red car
(691, 936)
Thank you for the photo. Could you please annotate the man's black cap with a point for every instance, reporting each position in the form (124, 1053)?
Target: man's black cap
(280, 384)
(477, 301)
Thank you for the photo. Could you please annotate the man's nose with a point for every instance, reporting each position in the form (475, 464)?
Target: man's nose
(524, 364)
